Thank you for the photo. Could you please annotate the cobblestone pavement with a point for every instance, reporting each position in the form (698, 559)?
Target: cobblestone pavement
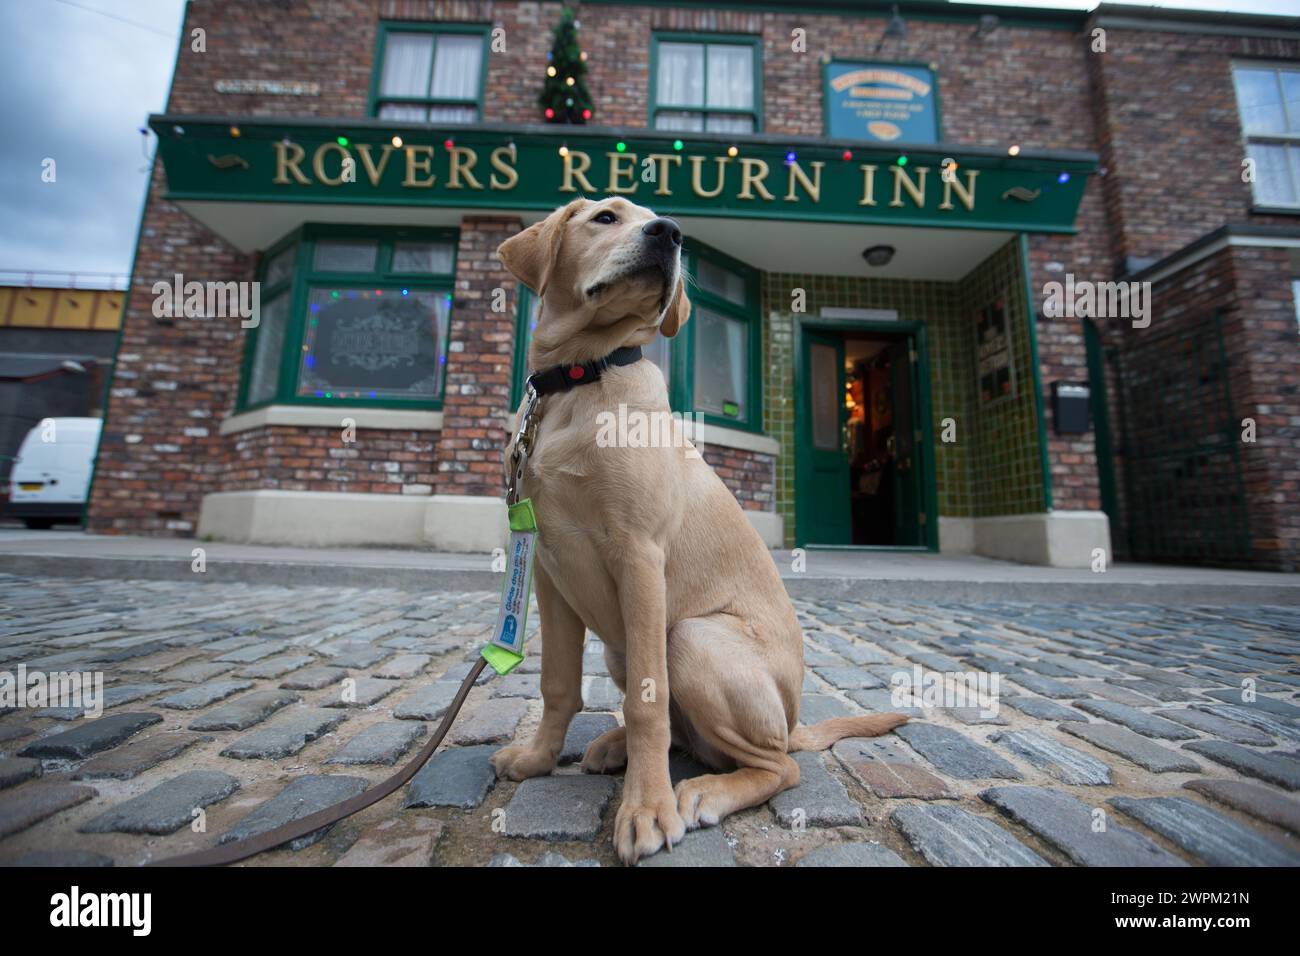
(1122, 735)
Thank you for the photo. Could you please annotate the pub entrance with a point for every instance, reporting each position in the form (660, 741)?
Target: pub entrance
(862, 437)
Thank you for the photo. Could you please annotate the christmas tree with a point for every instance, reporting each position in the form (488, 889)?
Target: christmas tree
(564, 97)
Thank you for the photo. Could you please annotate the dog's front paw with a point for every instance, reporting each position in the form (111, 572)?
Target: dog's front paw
(521, 761)
(643, 826)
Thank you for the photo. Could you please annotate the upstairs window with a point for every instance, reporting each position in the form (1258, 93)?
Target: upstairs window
(1268, 100)
(707, 84)
(430, 73)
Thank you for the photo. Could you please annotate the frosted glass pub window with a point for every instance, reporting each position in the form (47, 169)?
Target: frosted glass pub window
(368, 343)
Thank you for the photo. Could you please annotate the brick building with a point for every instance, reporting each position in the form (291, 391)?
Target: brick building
(877, 206)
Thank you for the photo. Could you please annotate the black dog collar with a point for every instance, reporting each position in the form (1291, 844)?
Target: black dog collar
(562, 378)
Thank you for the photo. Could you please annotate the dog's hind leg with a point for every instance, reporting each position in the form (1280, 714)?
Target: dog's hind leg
(733, 715)
(562, 635)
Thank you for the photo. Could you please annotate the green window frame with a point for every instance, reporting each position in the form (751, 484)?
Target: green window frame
(678, 355)
(661, 111)
(428, 103)
(276, 345)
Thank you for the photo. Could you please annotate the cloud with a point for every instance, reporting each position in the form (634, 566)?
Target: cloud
(78, 87)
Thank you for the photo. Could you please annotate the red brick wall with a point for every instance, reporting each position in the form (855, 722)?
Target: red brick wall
(1170, 136)
(480, 364)
(751, 476)
(328, 42)
(1261, 333)
(292, 458)
(1250, 289)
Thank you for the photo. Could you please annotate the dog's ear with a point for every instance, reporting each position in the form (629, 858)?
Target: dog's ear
(679, 310)
(530, 256)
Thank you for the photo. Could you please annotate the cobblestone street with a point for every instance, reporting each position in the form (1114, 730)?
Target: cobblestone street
(1122, 734)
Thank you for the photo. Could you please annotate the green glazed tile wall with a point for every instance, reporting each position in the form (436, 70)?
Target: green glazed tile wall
(992, 466)
(1006, 474)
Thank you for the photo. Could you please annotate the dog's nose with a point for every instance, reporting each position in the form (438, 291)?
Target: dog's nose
(664, 230)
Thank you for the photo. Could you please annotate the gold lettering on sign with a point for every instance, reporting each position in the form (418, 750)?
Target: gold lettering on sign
(374, 173)
(318, 163)
(903, 181)
(622, 166)
(576, 164)
(498, 161)
(697, 163)
(812, 187)
(662, 160)
(967, 195)
(868, 186)
(749, 178)
(287, 158)
(459, 167)
(414, 166)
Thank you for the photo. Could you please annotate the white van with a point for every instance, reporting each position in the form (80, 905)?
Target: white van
(51, 475)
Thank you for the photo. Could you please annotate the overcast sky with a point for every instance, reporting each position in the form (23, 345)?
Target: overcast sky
(80, 77)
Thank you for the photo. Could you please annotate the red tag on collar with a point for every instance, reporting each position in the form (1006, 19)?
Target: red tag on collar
(576, 372)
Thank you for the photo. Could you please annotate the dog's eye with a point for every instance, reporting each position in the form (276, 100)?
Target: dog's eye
(605, 217)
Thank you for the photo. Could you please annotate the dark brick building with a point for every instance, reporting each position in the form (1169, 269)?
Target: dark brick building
(877, 208)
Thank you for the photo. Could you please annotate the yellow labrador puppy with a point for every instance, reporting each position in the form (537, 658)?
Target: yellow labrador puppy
(647, 548)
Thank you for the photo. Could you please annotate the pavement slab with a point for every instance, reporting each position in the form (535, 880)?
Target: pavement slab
(1275, 767)
(1079, 831)
(947, 835)
(90, 737)
(955, 754)
(1132, 747)
(285, 735)
(397, 841)
(167, 807)
(1260, 802)
(455, 777)
(302, 797)
(568, 807)
(1066, 764)
(1210, 836)
(137, 756)
(885, 768)
(818, 800)
(1084, 682)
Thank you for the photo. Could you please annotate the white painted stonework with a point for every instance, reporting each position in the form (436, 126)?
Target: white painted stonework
(1059, 539)
(458, 523)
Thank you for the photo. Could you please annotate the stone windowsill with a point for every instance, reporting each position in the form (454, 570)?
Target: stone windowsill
(331, 416)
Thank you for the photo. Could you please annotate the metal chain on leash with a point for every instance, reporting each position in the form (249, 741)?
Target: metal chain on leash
(523, 445)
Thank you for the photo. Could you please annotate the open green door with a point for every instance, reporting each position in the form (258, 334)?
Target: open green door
(908, 507)
(823, 506)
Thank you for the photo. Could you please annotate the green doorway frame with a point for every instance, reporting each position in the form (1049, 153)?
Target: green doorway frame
(914, 333)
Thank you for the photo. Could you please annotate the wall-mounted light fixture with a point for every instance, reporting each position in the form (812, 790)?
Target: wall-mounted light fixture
(878, 255)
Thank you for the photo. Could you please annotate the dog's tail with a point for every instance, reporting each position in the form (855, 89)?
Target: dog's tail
(824, 733)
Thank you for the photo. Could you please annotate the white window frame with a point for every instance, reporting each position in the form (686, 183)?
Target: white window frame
(1289, 140)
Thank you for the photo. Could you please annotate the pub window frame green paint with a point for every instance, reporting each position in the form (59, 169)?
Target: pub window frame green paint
(914, 333)
(387, 27)
(720, 39)
(682, 387)
(304, 238)
(681, 384)
(931, 68)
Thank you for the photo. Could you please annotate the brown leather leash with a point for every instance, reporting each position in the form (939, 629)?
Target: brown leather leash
(260, 843)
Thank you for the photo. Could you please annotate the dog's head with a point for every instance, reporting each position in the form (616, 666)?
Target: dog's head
(609, 274)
